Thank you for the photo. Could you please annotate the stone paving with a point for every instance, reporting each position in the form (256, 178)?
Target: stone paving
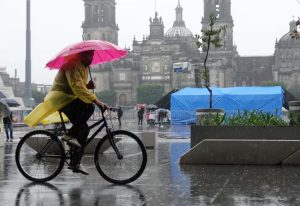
(164, 181)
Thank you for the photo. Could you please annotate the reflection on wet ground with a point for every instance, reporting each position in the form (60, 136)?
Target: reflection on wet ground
(164, 182)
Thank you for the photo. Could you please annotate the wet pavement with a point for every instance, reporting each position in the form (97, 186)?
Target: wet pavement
(164, 181)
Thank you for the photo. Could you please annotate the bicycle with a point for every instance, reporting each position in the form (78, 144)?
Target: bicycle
(120, 156)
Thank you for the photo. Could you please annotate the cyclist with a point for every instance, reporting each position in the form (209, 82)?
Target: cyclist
(70, 94)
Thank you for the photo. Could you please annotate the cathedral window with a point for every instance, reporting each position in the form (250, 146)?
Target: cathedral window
(102, 14)
(122, 76)
(217, 9)
(97, 14)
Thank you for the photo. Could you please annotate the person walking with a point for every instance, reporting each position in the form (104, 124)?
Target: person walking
(140, 116)
(8, 126)
(120, 114)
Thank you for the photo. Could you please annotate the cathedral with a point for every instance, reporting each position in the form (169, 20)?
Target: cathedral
(171, 58)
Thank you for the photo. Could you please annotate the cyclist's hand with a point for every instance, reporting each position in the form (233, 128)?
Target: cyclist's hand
(101, 105)
(91, 85)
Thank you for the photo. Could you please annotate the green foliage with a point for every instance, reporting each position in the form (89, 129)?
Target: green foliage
(108, 96)
(212, 119)
(38, 96)
(149, 94)
(254, 118)
(210, 36)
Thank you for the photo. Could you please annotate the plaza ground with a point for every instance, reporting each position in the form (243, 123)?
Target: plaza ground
(164, 181)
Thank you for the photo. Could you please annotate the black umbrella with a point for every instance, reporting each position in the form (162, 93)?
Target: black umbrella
(10, 102)
(4, 109)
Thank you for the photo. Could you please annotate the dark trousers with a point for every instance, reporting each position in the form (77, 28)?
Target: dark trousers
(8, 130)
(140, 121)
(78, 112)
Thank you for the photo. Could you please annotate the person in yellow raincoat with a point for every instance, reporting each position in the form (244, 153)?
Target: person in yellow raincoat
(70, 94)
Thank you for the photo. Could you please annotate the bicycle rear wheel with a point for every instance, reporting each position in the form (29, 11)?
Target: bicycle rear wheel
(40, 156)
(124, 169)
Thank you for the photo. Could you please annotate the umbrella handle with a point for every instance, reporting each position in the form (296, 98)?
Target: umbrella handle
(91, 77)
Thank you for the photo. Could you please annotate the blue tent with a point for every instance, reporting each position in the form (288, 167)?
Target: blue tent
(185, 102)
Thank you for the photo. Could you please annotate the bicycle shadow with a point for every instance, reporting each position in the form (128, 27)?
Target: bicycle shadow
(35, 193)
(47, 194)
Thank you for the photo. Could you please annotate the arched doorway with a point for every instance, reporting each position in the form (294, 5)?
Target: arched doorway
(122, 99)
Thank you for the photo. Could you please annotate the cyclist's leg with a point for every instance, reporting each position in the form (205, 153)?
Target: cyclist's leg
(78, 112)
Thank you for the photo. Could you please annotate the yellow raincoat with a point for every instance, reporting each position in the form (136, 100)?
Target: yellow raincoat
(69, 84)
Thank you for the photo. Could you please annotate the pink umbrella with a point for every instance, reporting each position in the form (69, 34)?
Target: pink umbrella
(103, 52)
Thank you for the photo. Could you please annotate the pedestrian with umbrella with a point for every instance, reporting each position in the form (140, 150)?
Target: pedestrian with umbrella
(6, 116)
(70, 92)
(8, 126)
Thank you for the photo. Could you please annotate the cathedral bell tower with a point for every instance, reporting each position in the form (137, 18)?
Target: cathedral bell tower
(221, 72)
(156, 27)
(100, 20)
(222, 10)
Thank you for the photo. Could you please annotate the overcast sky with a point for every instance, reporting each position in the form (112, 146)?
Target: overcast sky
(57, 23)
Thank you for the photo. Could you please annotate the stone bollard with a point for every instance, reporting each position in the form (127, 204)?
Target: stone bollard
(149, 139)
(294, 112)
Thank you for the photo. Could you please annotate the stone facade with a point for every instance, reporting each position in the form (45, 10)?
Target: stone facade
(153, 60)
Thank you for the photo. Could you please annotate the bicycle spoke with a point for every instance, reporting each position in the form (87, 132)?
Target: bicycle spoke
(40, 156)
(130, 166)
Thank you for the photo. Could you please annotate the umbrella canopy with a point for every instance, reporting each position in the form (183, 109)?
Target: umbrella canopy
(10, 102)
(103, 52)
(4, 109)
(151, 106)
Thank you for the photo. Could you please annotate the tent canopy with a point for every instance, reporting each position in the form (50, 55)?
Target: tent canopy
(185, 102)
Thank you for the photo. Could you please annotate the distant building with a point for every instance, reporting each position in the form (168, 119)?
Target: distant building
(287, 59)
(13, 88)
(150, 61)
(171, 58)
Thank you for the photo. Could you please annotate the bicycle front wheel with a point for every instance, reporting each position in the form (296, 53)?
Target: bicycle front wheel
(129, 165)
(40, 156)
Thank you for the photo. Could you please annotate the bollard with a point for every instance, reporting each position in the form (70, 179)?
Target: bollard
(149, 139)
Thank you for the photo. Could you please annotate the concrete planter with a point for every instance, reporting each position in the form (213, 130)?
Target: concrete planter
(199, 133)
(250, 145)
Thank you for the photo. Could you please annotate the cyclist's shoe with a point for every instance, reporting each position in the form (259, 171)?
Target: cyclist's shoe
(78, 169)
(71, 140)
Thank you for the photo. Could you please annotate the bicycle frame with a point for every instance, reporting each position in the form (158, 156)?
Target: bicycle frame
(103, 125)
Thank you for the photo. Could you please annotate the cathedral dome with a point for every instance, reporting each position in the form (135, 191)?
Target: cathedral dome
(178, 31)
(286, 41)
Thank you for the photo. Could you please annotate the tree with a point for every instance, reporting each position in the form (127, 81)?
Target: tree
(295, 33)
(210, 36)
(149, 94)
(38, 96)
(107, 96)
